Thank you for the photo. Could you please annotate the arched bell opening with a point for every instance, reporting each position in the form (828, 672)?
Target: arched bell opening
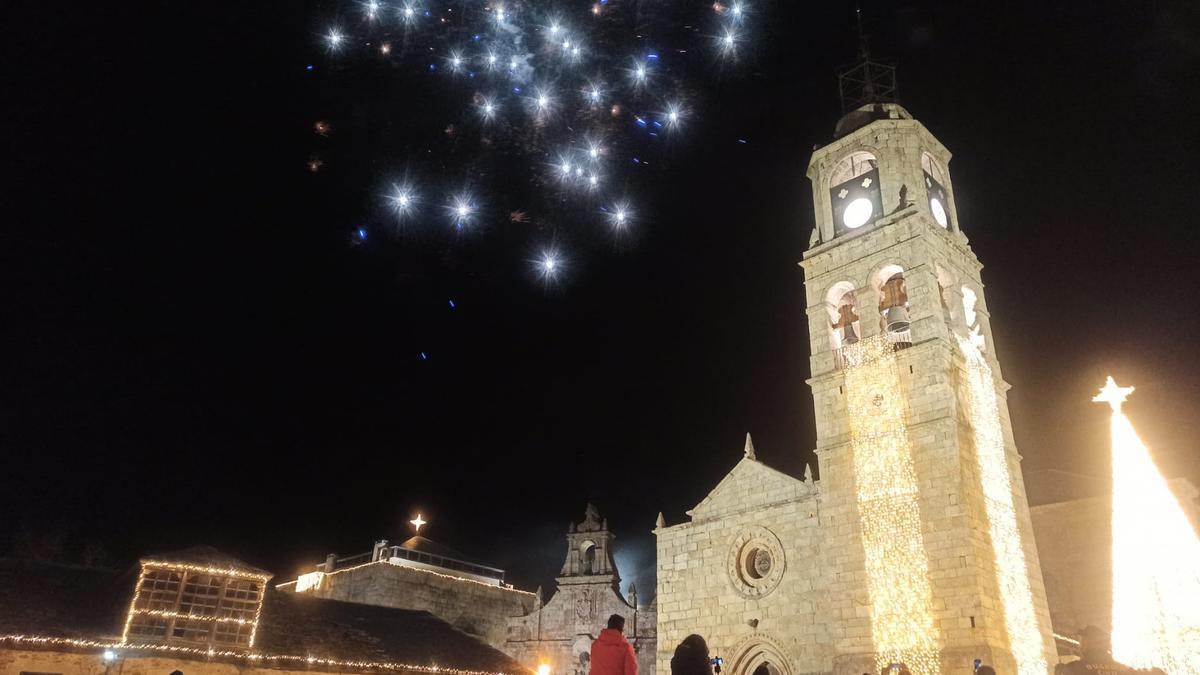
(841, 303)
(972, 318)
(894, 318)
(587, 557)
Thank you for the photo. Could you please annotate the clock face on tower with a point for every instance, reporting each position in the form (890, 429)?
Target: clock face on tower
(856, 202)
(939, 200)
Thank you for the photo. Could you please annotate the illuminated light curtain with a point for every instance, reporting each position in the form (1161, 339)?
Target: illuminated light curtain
(897, 566)
(1012, 572)
(1156, 562)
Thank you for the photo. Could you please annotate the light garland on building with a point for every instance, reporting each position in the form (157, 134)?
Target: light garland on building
(1012, 572)
(897, 566)
(253, 657)
(1155, 558)
(150, 565)
(503, 587)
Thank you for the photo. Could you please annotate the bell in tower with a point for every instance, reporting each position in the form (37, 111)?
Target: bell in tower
(846, 319)
(893, 304)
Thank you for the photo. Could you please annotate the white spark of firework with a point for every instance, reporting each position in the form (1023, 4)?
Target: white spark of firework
(619, 215)
(639, 74)
(737, 11)
(334, 39)
(594, 151)
(729, 42)
(549, 264)
(487, 110)
(371, 10)
(491, 59)
(408, 14)
(674, 115)
(403, 199)
(456, 60)
(593, 93)
(593, 181)
(462, 210)
(542, 102)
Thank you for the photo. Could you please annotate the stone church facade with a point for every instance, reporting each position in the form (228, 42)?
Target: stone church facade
(560, 632)
(915, 546)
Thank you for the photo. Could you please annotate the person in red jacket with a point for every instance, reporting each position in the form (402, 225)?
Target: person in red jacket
(611, 653)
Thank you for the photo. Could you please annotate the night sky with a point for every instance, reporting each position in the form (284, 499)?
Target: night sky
(196, 347)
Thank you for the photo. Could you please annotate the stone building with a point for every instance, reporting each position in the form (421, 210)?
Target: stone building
(916, 544)
(423, 575)
(1075, 542)
(205, 613)
(560, 632)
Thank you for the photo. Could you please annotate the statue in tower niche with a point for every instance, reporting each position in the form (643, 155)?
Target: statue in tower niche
(560, 632)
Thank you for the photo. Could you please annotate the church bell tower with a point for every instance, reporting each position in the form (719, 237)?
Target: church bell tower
(931, 553)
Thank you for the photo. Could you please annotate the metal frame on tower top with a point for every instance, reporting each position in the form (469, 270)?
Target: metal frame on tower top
(866, 81)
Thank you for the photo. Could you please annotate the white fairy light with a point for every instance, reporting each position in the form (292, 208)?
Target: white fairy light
(896, 565)
(1012, 571)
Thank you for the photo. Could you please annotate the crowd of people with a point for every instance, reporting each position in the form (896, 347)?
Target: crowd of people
(613, 655)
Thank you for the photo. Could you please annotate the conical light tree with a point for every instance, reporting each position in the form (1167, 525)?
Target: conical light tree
(1156, 557)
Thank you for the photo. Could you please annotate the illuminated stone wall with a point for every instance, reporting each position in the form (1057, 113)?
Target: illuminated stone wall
(478, 609)
(560, 633)
(944, 428)
(708, 583)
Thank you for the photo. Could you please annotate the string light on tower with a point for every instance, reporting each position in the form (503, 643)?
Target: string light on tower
(897, 566)
(1012, 573)
(1155, 557)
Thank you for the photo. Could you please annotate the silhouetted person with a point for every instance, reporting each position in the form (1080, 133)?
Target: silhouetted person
(611, 652)
(691, 657)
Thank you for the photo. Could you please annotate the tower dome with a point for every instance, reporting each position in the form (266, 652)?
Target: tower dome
(865, 114)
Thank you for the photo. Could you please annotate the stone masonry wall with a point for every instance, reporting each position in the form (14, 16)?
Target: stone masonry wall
(472, 607)
(699, 586)
(562, 632)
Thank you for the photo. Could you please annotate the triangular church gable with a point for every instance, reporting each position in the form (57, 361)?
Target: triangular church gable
(750, 485)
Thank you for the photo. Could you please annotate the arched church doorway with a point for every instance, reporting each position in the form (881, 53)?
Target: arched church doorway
(759, 656)
(767, 668)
